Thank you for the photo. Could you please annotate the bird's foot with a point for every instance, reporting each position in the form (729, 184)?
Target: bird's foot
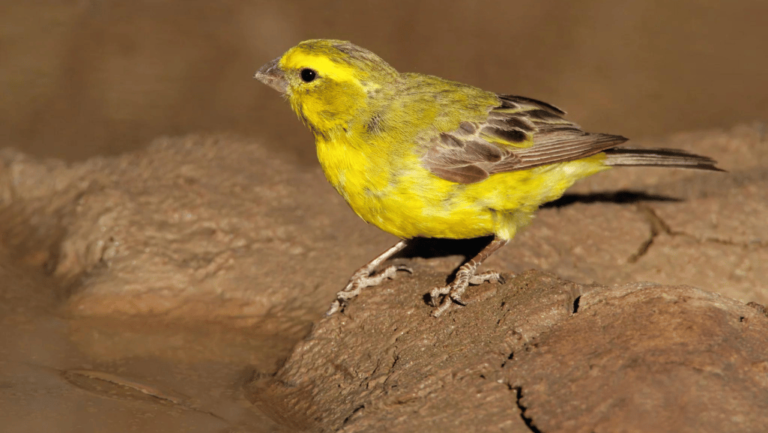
(464, 278)
(361, 280)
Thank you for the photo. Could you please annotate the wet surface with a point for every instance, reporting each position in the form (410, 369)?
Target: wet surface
(64, 374)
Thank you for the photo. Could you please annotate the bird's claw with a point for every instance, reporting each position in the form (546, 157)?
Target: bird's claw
(405, 268)
(493, 277)
(361, 280)
(457, 300)
(457, 288)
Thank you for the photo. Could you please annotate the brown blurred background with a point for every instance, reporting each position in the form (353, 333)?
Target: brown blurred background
(94, 77)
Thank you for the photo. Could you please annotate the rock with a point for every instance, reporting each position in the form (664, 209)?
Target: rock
(655, 358)
(535, 354)
(190, 228)
(386, 364)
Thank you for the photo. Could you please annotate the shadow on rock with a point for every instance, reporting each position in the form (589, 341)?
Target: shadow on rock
(618, 197)
(430, 248)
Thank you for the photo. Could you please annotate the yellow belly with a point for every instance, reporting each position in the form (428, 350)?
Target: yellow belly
(396, 194)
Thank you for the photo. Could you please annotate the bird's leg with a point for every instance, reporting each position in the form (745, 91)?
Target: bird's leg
(466, 276)
(362, 278)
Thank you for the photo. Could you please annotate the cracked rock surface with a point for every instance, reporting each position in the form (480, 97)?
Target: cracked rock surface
(245, 251)
(656, 358)
(640, 357)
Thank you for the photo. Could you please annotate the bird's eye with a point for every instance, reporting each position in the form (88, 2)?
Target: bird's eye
(308, 75)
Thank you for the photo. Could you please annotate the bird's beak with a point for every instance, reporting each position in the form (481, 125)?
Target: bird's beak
(271, 75)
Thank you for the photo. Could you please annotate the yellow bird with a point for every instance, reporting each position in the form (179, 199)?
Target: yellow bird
(420, 156)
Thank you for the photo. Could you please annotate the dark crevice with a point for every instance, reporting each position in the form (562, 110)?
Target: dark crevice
(357, 409)
(509, 358)
(395, 359)
(527, 420)
(576, 304)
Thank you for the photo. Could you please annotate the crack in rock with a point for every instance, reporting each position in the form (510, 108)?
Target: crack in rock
(659, 226)
(354, 412)
(526, 419)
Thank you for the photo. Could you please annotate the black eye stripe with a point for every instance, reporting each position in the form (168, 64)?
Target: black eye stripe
(308, 75)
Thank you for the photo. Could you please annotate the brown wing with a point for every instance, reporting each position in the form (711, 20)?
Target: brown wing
(520, 133)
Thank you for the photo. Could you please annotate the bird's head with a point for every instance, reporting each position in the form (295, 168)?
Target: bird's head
(329, 83)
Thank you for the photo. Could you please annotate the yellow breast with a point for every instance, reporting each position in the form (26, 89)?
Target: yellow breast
(389, 188)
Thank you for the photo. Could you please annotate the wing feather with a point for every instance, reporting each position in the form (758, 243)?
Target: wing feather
(520, 133)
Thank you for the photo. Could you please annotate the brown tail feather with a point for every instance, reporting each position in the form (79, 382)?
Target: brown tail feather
(629, 157)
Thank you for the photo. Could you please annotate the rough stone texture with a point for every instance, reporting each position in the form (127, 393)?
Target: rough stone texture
(386, 364)
(652, 359)
(196, 227)
(637, 357)
(218, 230)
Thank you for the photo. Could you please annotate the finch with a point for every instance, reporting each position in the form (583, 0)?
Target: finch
(420, 156)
